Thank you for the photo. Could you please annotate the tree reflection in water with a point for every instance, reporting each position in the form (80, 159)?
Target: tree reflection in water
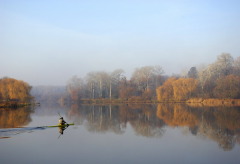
(221, 124)
(13, 118)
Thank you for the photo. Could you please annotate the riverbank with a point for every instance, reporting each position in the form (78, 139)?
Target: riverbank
(116, 101)
(12, 104)
(193, 101)
(214, 102)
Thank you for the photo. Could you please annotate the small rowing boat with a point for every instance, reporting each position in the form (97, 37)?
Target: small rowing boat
(61, 126)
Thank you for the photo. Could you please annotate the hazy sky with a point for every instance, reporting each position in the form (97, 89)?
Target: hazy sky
(46, 42)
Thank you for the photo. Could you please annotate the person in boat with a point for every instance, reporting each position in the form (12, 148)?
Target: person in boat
(62, 121)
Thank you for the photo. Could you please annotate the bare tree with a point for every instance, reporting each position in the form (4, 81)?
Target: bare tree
(236, 65)
(223, 66)
(157, 73)
(114, 80)
(145, 77)
(91, 83)
(74, 88)
(192, 73)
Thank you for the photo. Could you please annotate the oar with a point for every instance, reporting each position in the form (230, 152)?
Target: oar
(59, 114)
(67, 124)
(59, 135)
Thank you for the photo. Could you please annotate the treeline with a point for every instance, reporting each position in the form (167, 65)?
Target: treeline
(115, 85)
(14, 90)
(221, 79)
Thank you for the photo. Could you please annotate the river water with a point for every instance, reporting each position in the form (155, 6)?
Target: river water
(163, 133)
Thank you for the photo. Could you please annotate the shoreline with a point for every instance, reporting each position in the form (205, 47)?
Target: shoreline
(214, 102)
(191, 102)
(15, 105)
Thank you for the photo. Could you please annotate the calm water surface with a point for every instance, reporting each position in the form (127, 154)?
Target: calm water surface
(121, 134)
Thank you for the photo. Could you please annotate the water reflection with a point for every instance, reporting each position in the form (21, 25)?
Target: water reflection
(13, 118)
(115, 118)
(61, 130)
(220, 124)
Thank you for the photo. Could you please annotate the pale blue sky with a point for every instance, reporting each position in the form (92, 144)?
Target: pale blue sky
(46, 42)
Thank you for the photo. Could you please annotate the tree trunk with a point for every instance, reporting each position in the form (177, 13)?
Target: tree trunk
(110, 91)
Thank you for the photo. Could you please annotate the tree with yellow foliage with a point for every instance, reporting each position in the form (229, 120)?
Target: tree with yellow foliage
(183, 88)
(165, 92)
(14, 89)
(177, 89)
